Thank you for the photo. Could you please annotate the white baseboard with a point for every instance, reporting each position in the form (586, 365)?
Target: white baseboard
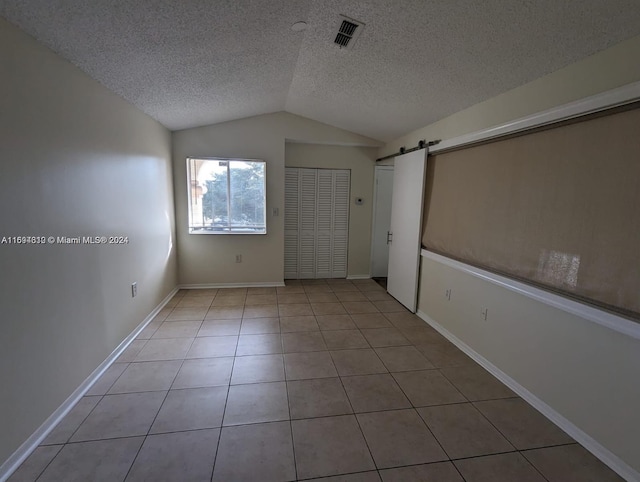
(358, 276)
(260, 284)
(606, 456)
(29, 445)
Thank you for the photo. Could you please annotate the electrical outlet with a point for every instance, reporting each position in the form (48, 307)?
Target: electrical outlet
(134, 289)
(484, 312)
(447, 294)
(275, 212)
(238, 258)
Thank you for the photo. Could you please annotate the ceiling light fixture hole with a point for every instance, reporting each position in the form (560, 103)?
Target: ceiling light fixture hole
(299, 26)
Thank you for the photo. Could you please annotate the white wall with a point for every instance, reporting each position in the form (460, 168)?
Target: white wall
(361, 162)
(210, 259)
(75, 160)
(585, 372)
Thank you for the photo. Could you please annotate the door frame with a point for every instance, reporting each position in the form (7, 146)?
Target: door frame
(373, 214)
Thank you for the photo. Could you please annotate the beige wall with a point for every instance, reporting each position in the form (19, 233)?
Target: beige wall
(582, 370)
(210, 259)
(361, 162)
(606, 70)
(75, 160)
(586, 372)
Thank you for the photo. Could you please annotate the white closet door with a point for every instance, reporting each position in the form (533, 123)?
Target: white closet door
(307, 224)
(291, 220)
(340, 246)
(406, 227)
(324, 223)
(316, 223)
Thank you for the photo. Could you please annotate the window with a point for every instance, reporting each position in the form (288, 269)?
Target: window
(227, 196)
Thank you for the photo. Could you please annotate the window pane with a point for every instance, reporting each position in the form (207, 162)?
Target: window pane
(247, 190)
(226, 196)
(214, 200)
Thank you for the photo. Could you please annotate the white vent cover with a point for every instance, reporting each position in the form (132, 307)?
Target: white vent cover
(347, 32)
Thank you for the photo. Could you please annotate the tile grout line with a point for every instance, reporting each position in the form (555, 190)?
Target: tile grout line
(355, 416)
(224, 411)
(472, 403)
(422, 420)
(228, 385)
(48, 464)
(534, 466)
(68, 440)
(286, 386)
(215, 458)
(344, 474)
(159, 409)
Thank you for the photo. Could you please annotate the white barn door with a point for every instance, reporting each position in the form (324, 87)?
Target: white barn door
(316, 223)
(406, 227)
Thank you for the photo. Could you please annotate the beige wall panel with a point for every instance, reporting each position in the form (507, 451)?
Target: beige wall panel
(76, 160)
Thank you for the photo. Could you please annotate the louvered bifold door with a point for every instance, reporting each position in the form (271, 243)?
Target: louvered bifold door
(324, 223)
(316, 223)
(340, 240)
(307, 223)
(291, 220)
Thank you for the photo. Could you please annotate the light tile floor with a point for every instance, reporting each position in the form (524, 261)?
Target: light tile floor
(319, 380)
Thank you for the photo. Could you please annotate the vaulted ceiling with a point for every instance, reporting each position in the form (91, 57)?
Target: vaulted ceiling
(195, 62)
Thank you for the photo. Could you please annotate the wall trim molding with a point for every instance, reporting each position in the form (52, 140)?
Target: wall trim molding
(258, 284)
(606, 456)
(29, 445)
(358, 276)
(620, 96)
(601, 317)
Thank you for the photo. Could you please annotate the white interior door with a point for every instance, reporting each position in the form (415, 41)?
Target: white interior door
(406, 227)
(381, 222)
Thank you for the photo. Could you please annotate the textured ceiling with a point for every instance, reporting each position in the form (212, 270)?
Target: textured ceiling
(196, 62)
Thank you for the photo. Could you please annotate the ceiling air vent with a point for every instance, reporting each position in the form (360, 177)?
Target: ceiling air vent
(348, 32)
